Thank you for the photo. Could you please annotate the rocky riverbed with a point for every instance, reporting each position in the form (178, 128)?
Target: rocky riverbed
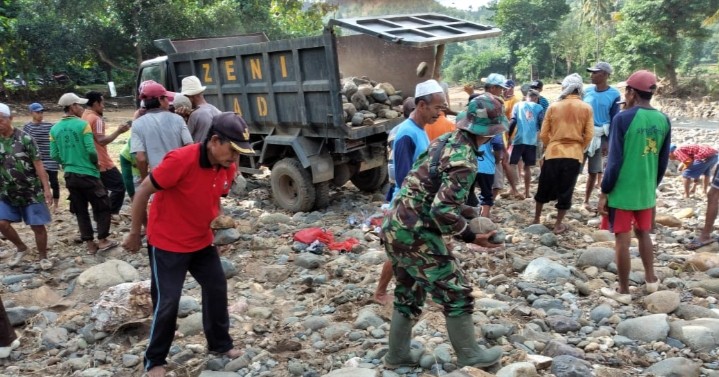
(300, 312)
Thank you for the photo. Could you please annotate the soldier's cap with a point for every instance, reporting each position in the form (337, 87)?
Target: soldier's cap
(484, 117)
(156, 90)
(427, 87)
(69, 99)
(601, 66)
(232, 127)
(643, 81)
(495, 79)
(35, 107)
(5, 110)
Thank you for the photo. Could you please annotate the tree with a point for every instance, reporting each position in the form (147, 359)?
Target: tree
(653, 34)
(529, 24)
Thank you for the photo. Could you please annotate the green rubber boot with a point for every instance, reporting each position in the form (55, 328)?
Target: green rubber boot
(461, 334)
(400, 336)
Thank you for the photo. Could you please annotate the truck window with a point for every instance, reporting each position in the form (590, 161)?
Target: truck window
(153, 72)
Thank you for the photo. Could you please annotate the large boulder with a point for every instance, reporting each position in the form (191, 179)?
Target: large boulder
(121, 304)
(108, 274)
(544, 269)
(647, 329)
(701, 335)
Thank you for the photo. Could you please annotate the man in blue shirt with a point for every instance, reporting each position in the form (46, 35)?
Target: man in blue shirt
(486, 168)
(605, 104)
(526, 120)
(409, 142)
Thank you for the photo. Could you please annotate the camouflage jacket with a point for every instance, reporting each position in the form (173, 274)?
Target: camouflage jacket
(19, 182)
(420, 207)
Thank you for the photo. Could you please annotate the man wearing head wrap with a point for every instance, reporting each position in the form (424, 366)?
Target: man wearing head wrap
(567, 129)
(605, 104)
(638, 157)
(429, 205)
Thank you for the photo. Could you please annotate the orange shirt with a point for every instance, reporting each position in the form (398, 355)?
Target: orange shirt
(509, 104)
(98, 129)
(567, 129)
(440, 127)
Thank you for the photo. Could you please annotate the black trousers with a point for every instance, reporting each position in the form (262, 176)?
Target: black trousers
(84, 190)
(557, 180)
(112, 179)
(168, 271)
(54, 183)
(7, 332)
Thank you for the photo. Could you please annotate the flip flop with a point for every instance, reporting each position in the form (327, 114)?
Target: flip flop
(112, 245)
(696, 244)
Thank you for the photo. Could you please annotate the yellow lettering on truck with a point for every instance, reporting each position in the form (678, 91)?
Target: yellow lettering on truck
(230, 70)
(206, 68)
(283, 66)
(262, 106)
(256, 69)
(236, 106)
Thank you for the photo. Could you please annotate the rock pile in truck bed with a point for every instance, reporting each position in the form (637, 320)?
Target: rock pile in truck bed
(365, 100)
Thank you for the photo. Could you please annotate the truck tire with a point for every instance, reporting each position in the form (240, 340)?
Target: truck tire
(370, 180)
(322, 195)
(292, 187)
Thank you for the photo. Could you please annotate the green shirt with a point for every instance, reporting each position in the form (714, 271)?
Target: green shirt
(72, 145)
(638, 156)
(125, 153)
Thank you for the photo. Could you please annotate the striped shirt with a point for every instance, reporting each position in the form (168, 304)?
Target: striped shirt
(694, 152)
(41, 133)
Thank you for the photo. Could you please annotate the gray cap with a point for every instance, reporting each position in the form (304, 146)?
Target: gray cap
(601, 66)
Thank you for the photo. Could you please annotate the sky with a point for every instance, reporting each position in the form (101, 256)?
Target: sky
(463, 4)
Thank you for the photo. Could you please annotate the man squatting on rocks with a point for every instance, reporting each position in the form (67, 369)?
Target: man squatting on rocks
(429, 205)
(409, 142)
(638, 156)
(187, 186)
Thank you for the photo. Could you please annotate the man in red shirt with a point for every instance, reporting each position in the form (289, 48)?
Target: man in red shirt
(187, 186)
(109, 174)
(696, 160)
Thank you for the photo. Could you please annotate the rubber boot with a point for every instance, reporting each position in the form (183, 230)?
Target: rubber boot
(461, 334)
(400, 336)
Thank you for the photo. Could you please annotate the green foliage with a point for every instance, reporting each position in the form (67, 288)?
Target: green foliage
(474, 63)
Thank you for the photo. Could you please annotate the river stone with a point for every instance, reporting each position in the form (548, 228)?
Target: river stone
(190, 325)
(662, 302)
(211, 373)
(600, 312)
(308, 260)
(544, 269)
(226, 236)
(684, 213)
(668, 220)
(54, 337)
(599, 257)
(647, 329)
(701, 335)
(703, 261)
(387, 87)
(373, 257)
(96, 372)
(602, 236)
(366, 318)
(537, 229)
(228, 267)
(556, 348)
(711, 285)
(675, 367)
(188, 305)
(548, 239)
(351, 372)
(357, 119)
(689, 311)
(379, 95)
(108, 274)
(129, 360)
(365, 89)
(337, 331)
(315, 323)
(522, 369)
(568, 366)
(562, 324)
(350, 109)
(360, 102)
(349, 88)
(19, 315)
(495, 330)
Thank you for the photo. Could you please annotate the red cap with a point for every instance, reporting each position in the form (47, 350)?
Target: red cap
(643, 81)
(155, 90)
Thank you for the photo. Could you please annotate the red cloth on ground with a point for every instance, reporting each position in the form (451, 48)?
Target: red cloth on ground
(310, 235)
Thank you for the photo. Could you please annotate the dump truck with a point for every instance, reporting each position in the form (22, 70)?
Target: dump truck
(289, 93)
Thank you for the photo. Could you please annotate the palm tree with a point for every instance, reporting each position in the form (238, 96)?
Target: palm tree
(597, 13)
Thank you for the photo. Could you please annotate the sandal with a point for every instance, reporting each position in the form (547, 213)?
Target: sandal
(113, 244)
(696, 243)
(561, 229)
(622, 298)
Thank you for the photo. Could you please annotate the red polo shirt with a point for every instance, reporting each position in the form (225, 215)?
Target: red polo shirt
(188, 199)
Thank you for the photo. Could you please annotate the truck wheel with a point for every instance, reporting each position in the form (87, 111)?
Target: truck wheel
(292, 187)
(322, 195)
(370, 180)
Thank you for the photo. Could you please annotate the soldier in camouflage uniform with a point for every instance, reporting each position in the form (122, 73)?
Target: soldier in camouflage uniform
(430, 204)
(24, 187)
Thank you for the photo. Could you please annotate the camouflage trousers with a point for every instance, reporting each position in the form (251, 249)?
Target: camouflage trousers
(422, 264)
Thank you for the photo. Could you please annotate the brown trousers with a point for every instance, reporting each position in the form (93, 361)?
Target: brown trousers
(7, 333)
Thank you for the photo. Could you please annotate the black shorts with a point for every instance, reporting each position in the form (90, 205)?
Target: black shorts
(485, 182)
(528, 154)
(557, 180)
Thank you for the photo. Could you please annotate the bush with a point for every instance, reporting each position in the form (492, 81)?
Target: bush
(470, 66)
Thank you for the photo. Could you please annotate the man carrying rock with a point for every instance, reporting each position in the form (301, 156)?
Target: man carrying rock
(187, 186)
(409, 143)
(72, 145)
(24, 188)
(638, 156)
(201, 117)
(567, 129)
(695, 161)
(428, 206)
